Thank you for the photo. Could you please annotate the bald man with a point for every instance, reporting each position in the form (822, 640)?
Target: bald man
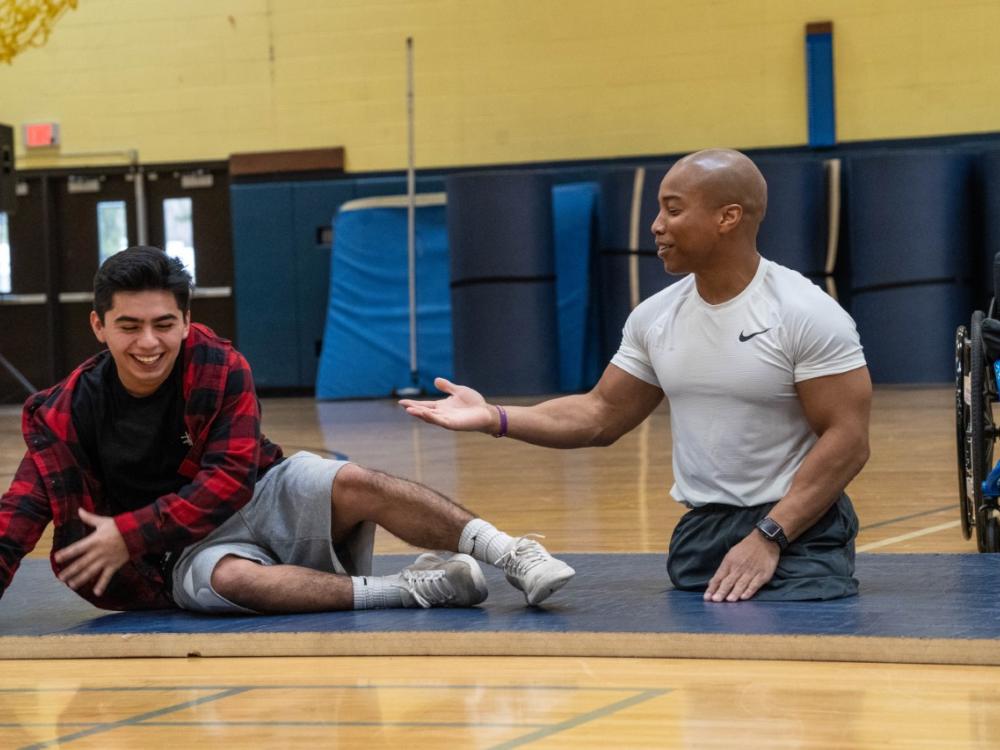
(769, 398)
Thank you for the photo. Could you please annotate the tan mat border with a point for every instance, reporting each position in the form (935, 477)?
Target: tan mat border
(454, 643)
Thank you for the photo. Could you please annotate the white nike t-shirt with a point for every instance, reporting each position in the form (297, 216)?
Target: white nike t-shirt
(729, 372)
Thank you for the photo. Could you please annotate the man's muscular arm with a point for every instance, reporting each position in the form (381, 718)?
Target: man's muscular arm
(617, 404)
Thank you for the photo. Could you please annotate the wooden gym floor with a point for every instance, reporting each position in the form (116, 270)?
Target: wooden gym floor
(596, 500)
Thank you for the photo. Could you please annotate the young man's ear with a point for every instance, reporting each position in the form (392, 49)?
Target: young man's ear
(187, 323)
(96, 326)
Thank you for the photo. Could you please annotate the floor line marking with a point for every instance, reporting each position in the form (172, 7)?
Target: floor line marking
(581, 719)
(891, 521)
(133, 720)
(370, 686)
(911, 535)
(415, 724)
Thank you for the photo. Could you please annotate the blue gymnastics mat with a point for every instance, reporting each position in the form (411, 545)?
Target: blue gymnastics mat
(912, 608)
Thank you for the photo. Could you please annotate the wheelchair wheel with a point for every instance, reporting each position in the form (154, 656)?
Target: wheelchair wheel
(982, 394)
(966, 509)
(992, 536)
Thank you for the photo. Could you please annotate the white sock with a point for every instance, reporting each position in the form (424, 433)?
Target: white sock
(484, 541)
(376, 592)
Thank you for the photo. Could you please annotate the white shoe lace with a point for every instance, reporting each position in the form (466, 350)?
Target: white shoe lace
(427, 587)
(524, 554)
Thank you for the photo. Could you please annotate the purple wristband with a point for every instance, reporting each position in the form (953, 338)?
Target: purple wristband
(503, 421)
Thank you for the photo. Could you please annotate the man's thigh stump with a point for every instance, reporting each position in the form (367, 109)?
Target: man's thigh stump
(817, 565)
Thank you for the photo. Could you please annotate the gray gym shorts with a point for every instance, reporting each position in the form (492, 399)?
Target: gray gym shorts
(288, 521)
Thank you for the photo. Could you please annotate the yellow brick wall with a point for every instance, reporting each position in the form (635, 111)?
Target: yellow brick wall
(497, 80)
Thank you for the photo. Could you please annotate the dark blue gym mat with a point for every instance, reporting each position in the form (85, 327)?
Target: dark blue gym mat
(912, 608)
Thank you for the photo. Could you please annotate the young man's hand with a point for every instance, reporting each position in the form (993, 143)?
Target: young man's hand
(99, 555)
(744, 569)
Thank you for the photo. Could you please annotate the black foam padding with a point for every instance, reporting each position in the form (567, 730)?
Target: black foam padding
(615, 208)
(909, 332)
(8, 192)
(910, 217)
(615, 293)
(650, 205)
(500, 226)
(988, 166)
(795, 229)
(506, 337)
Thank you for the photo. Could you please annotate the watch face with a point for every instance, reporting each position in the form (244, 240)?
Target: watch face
(769, 527)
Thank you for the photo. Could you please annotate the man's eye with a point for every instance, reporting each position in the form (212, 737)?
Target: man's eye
(129, 329)
(164, 326)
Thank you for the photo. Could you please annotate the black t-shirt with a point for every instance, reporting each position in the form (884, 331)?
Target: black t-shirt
(133, 445)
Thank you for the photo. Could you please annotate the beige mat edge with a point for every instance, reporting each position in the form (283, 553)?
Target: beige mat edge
(415, 643)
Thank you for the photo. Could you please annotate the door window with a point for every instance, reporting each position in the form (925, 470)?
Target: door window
(4, 255)
(112, 228)
(178, 231)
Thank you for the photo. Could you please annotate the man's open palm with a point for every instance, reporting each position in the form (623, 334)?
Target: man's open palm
(464, 409)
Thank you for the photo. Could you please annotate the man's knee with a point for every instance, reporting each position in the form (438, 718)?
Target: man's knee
(355, 487)
(232, 576)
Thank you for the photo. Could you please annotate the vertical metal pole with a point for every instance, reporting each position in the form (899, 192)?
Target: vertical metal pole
(411, 213)
(141, 219)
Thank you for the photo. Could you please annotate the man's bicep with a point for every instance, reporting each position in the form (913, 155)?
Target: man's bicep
(837, 400)
(625, 399)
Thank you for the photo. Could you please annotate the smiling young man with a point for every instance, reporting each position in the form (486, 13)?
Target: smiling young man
(769, 398)
(149, 460)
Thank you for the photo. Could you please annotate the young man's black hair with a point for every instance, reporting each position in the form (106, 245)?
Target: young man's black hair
(138, 269)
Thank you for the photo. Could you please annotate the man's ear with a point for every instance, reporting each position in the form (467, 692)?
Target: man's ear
(187, 323)
(730, 217)
(97, 326)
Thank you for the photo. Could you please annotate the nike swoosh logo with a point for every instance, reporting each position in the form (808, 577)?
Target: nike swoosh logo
(757, 333)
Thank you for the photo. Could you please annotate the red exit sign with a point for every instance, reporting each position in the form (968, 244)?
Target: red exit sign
(41, 135)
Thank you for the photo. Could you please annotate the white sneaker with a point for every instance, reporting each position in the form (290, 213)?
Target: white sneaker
(530, 568)
(434, 581)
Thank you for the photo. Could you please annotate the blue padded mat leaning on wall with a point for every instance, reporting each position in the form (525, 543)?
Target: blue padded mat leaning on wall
(366, 340)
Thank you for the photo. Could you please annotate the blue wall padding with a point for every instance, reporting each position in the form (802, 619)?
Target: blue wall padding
(909, 217)
(265, 282)
(820, 90)
(366, 344)
(313, 203)
(574, 214)
(503, 282)
(370, 187)
(909, 332)
(796, 225)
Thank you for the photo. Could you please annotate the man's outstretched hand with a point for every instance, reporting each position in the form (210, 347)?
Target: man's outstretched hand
(464, 409)
(98, 555)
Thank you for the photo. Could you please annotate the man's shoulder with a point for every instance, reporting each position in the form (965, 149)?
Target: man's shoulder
(797, 294)
(655, 304)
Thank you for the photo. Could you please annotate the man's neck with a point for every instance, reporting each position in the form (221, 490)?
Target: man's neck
(727, 279)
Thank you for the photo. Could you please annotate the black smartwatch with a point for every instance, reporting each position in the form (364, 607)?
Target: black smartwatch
(772, 531)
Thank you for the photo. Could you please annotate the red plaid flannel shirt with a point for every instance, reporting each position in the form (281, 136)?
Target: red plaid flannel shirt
(228, 453)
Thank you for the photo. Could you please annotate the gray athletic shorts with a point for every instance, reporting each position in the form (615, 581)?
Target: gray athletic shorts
(288, 521)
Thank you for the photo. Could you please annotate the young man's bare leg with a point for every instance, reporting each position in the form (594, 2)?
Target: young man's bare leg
(429, 582)
(425, 518)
